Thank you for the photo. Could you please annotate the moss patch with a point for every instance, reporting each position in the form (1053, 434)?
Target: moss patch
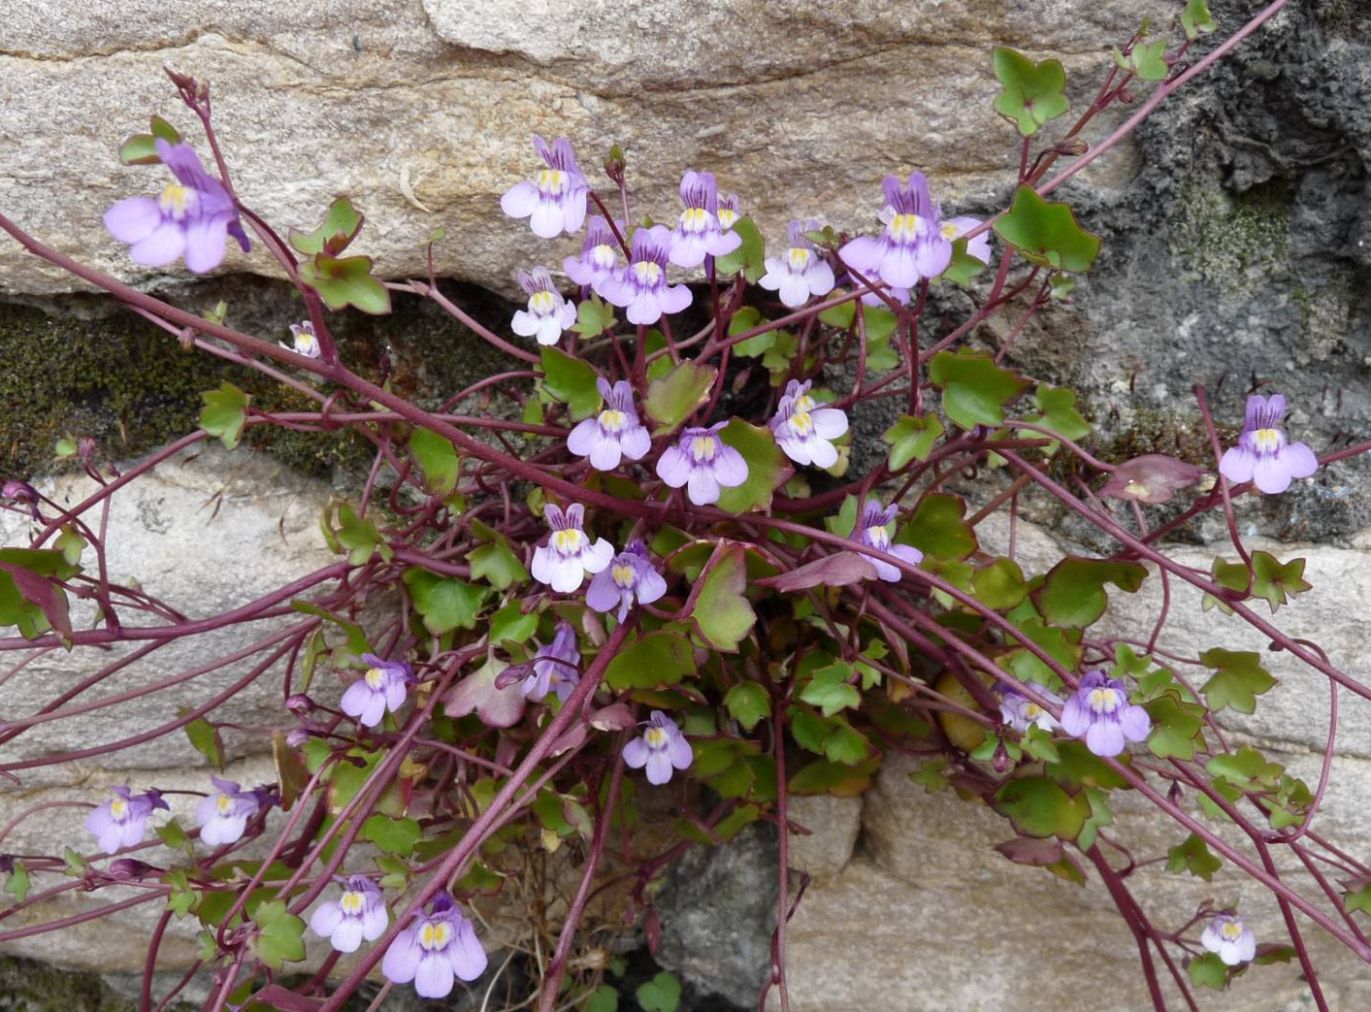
(1234, 242)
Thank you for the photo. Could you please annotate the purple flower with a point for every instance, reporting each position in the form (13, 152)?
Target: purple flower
(703, 462)
(569, 553)
(548, 314)
(382, 688)
(191, 217)
(303, 340)
(699, 233)
(224, 815)
(1019, 712)
(555, 199)
(599, 259)
(873, 531)
(614, 433)
(434, 949)
(804, 428)
(357, 914)
(123, 819)
(913, 245)
(955, 228)
(1100, 712)
(661, 748)
(800, 272)
(1262, 455)
(1152, 478)
(729, 211)
(555, 667)
(630, 575)
(21, 491)
(1230, 938)
(641, 287)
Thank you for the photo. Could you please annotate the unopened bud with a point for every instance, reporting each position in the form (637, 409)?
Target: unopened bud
(615, 165)
(300, 704)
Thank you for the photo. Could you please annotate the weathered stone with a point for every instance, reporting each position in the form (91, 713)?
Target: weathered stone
(833, 825)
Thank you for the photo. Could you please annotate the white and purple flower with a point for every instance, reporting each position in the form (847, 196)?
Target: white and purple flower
(303, 340)
(630, 575)
(912, 246)
(641, 287)
(1263, 456)
(954, 228)
(730, 210)
(805, 428)
(556, 667)
(661, 749)
(548, 314)
(1099, 712)
(434, 951)
(800, 272)
(191, 218)
(599, 259)
(122, 821)
(360, 912)
(382, 688)
(699, 232)
(1021, 713)
(1232, 940)
(555, 199)
(614, 433)
(702, 462)
(224, 815)
(873, 530)
(569, 553)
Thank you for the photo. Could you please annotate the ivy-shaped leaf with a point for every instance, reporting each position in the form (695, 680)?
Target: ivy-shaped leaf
(912, 438)
(346, 281)
(279, 934)
(224, 412)
(975, 390)
(748, 703)
(939, 528)
(1072, 594)
(659, 658)
(1047, 233)
(437, 458)
(1273, 581)
(1033, 93)
(570, 381)
(593, 317)
(1039, 807)
(830, 690)
(1176, 726)
(340, 226)
(750, 257)
(1056, 411)
(1196, 20)
(672, 399)
(722, 612)
(1146, 60)
(446, 603)
(766, 468)
(1208, 970)
(1193, 856)
(999, 584)
(494, 561)
(1238, 679)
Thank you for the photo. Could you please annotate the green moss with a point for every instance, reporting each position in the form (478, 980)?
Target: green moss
(1235, 242)
(28, 986)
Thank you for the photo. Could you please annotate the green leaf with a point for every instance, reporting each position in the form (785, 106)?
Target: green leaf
(1272, 580)
(17, 882)
(963, 267)
(346, 282)
(1039, 807)
(722, 612)
(1100, 816)
(975, 390)
(70, 544)
(1033, 93)
(1246, 769)
(204, 737)
(845, 520)
(1076, 767)
(830, 691)
(749, 318)
(999, 584)
(663, 992)
(496, 563)
(279, 936)
(593, 317)
(660, 658)
(912, 438)
(570, 381)
(1196, 20)
(1176, 726)
(765, 467)
(672, 399)
(1146, 60)
(357, 535)
(824, 777)
(1193, 856)
(30, 599)
(939, 528)
(748, 703)
(1073, 595)
(224, 412)
(139, 149)
(932, 775)
(394, 836)
(1057, 411)
(446, 603)
(846, 745)
(1358, 899)
(603, 999)
(1047, 234)
(340, 226)
(1208, 971)
(1238, 679)
(750, 257)
(437, 458)
(510, 624)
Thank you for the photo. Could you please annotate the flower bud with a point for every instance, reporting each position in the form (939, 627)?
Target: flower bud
(300, 704)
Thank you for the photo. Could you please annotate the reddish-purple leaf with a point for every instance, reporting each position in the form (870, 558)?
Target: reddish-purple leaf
(837, 570)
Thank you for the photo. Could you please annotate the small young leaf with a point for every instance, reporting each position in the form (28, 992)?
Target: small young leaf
(204, 736)
(340, 226)
(750, 257)
(912, 438)
(224, 412)
(437, 458)
(975, 390)
(662, 993)
(748, 703)
(1194, 857)
(1033, 93)
(346, 282)
(1238, 679)
(1196, 20)
(593, 317)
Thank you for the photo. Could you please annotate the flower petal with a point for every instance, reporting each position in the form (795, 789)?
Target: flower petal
(134, 219)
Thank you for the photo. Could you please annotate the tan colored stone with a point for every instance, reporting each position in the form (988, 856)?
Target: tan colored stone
(833, 825)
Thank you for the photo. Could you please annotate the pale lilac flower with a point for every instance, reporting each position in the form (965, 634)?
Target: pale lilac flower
(730, 210)
(303, 340)
(122, 821)
(555, 667)
(382, 688)
(873, 531)
(224, 815)
(1230, 938)
(548, 314)
(435, 949)
(555, 199)
(360, 912)
(661, 749)
(192, 217)
(699, 232)
(614, 433)
(599, 259)
(569, 553)
(912, 246)
(800, 272)
(1020, 712)
(873, 298)
(955, 228)
(631, 575)
(641, 287)
(1100, 712)
(1152, 478)
(1263, 456)
(704, 463)
(805, 428)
